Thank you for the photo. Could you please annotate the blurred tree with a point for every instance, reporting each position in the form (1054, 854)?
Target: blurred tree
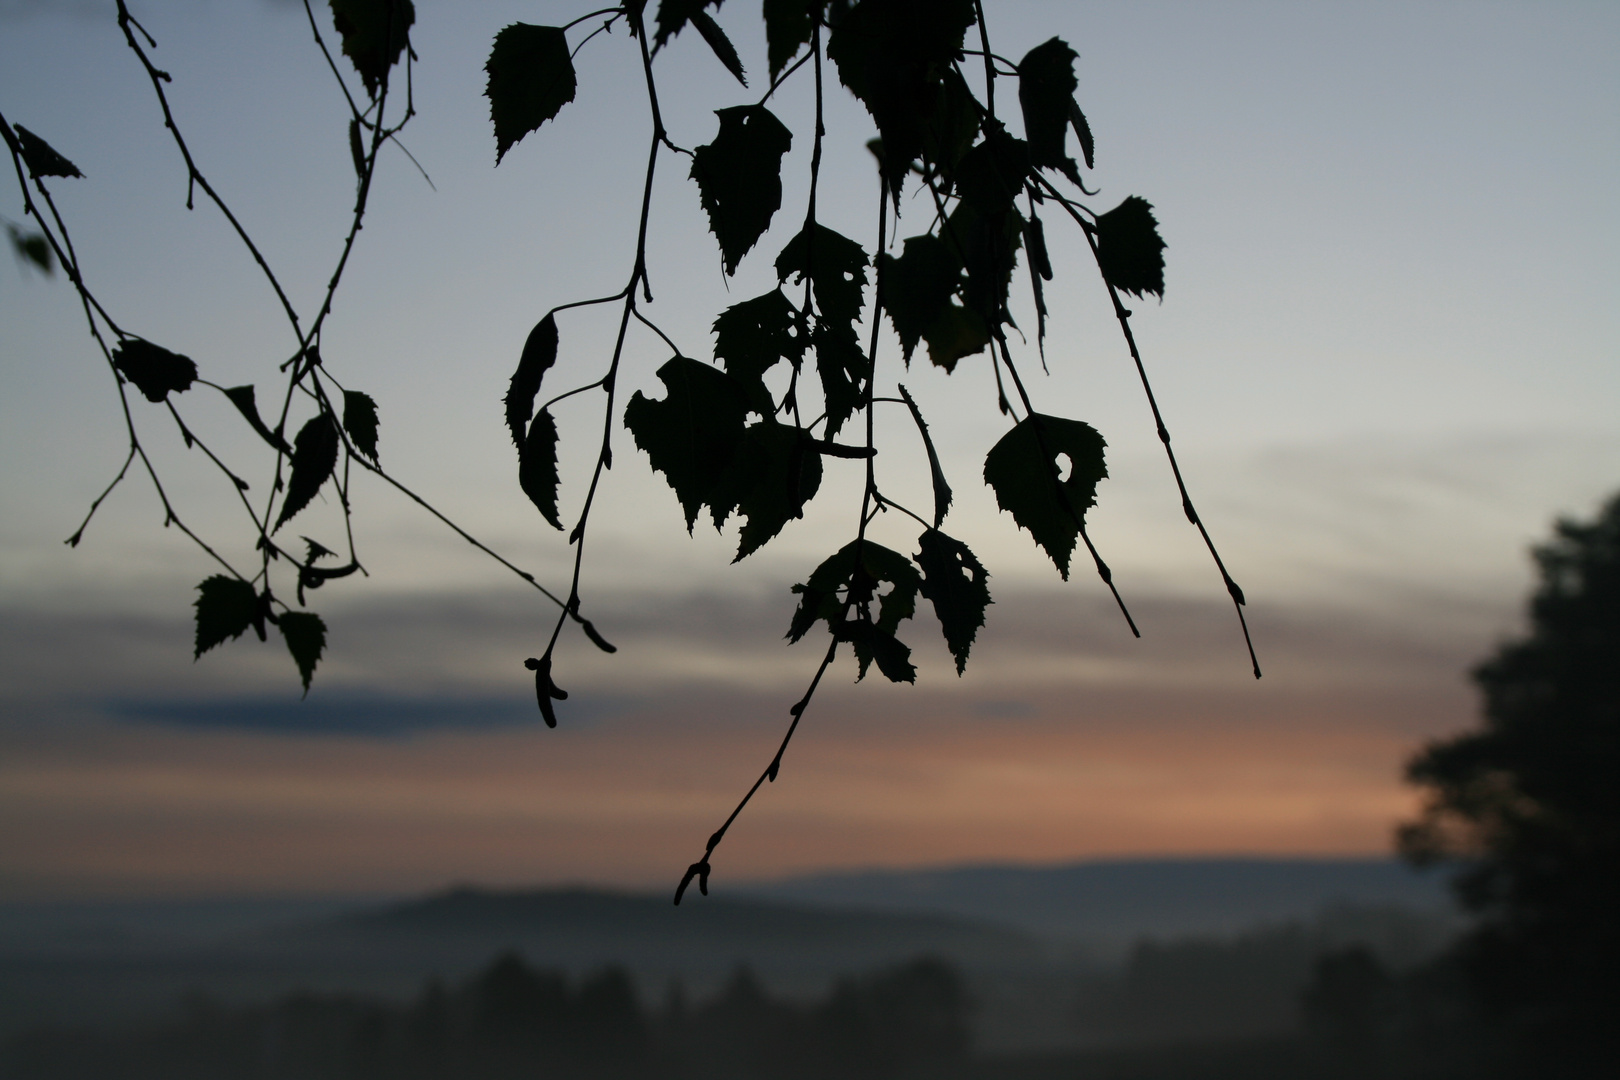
(1530, 805)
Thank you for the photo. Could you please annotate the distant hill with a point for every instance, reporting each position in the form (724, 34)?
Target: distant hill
(1113, 902)
(704, 939)
(391, 949)
(1027, 937)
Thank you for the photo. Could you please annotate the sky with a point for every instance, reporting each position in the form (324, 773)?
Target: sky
(1388, 350)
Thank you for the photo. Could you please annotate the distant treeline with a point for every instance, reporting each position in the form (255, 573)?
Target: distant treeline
(513, 1021)
(1284, 1003)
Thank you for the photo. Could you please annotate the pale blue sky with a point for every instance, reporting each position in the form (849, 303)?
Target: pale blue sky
(1389, 347)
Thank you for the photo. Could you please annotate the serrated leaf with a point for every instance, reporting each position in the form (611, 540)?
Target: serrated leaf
(750, 337)
(857, 569)
(316, 551)
(942, 490)
(531, 77)
(843, 367)
(154, 370)
(788, 28)
(1129, 251)
(360, 421)
(537, 466)
(375, 33)
(314, 457)
(954, 123)
(242, 398)
(988, 247)
(956, 333)
(819, 598)
(1082, 131)
(954, 579)
(775, 472)
(539, 353)
(692, 435)
(720, 45)
(1046, 86)
(992, 175)
(40, 158)
(893, 55)
(226, 607)
(918, 285)
(1023, 470)
(673, 15)
(836, 266)
(32, 248)
(870, 643)
(739, 178)
(305, 635)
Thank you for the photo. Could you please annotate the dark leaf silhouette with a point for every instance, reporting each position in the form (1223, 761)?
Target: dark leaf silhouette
(539, 353)
(750, 337)
(992, 174)
(316, 551)
(1129, 250)
(893, 55)
(775, 472)
(314, 457)
(988, 247)
(360, 421)
(956, 333)
(32, 248)
(691, 435)
(305, 635)
(1082, 131)
(955, 581)
(374, 33)
(953, 123)
(531, 77)
(918, 285)
(719, 44)
(242, 398)
(226, 607)
(1046, 86)
(1023, 470)
(819, 598)
(893, 656)
(857, 569)
(739, 178)
(942, 490)
(788, 26)
(40, 158)
(537, 466)
(673, 15)
(843, 368)
(154, 370)
(836, 266)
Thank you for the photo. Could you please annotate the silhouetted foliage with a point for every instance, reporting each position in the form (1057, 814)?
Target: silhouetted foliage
(745, 435)
(1530, 806)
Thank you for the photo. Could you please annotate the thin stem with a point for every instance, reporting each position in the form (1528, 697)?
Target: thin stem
(883, 501)
(194, 175)
(989, 63)
(609, 381)
(1123, 315)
